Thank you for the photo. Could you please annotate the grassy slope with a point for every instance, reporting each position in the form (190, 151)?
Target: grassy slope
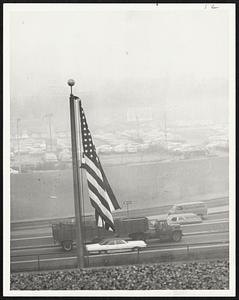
(50, 194)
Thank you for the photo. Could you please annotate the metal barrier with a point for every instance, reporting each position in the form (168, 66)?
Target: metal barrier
(106, 260)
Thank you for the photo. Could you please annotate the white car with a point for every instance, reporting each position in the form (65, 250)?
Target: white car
(112, 245)
(182, 219)
(50, 157)
(65, 156)
(104, 149)
(144, 146)
(13, 171)
(120, 148)
(132, 148)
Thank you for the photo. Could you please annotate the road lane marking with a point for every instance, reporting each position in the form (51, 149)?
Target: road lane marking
(32, 238)
(23, 261)
(221, 221)
(205, 232)
(150, 242)
(186, 225)
(50, 220)
(45, 259)
(209, 223)
(208, 246)
(185, 247)
(48, 246)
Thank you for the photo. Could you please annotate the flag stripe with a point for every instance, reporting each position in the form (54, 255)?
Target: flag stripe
(109, 190)
(105, 199)
(98, 187)
(94, 168)
(94, 179)
(101, 198)
(100, 209)
(95, 176)
(100, 221)
(101, 195)
(106, 213)
(105, 220)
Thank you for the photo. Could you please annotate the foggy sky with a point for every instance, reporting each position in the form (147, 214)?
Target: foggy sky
(174, 61)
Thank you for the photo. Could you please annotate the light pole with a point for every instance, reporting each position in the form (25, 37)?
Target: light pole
(18, 146)
(49, 116)
(137, 122)
(165, 129)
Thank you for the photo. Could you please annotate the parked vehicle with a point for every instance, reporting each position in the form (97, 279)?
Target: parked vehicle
(114, 245)
(50, 157)
(198, 208)
(144, 146)
(104, 149)
(120, 148)
(132, 148)
(65, 156)
(13, 171)
(183, 219)
(194, 153)
(140, 228)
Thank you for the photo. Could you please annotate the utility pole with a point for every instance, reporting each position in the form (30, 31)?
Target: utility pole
(18, 146)
(127, 206)
(49, 116)
(165, 129)
(75, 142)
(137, 122)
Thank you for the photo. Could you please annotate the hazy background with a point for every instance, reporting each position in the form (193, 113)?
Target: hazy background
(174, 61)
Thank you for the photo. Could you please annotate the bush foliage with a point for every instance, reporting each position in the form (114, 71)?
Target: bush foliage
(191, 275)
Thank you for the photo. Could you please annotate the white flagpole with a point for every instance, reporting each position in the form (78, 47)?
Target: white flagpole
(77, 189)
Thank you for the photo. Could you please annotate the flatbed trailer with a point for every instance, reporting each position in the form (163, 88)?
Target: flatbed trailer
(139, 228)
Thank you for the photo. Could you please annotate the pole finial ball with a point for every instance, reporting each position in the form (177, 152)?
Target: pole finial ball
(71, 82)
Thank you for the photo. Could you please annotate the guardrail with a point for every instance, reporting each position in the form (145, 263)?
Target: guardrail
(39, 262)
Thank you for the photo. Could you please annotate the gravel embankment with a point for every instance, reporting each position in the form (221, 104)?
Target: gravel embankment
(178, 276)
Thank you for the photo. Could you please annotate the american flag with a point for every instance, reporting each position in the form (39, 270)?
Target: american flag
(101, 195)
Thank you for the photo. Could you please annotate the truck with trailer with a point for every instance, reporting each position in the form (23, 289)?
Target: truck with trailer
(138, 228)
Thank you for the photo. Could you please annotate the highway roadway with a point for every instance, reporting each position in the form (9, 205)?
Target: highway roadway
(40, 236)
(31, 248)
(57, 251)
(57, 259)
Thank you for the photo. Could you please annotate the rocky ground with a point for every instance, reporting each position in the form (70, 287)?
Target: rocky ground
(199, 275)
